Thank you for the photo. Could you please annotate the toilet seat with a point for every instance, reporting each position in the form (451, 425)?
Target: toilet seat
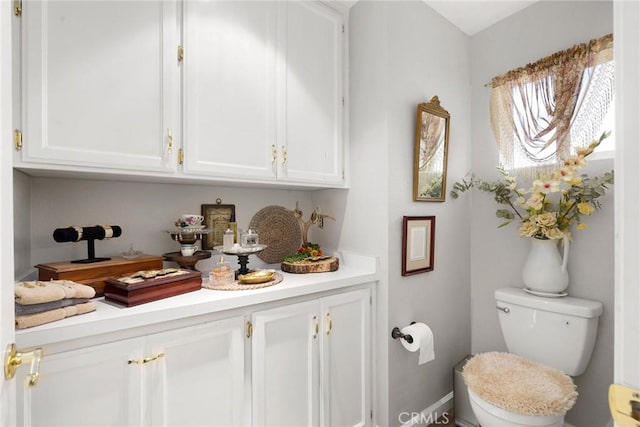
(519, 386)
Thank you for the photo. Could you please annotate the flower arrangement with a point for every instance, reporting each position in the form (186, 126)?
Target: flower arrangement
(556, 201)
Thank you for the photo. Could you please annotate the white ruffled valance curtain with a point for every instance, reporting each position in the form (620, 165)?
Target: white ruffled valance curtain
(545, 111)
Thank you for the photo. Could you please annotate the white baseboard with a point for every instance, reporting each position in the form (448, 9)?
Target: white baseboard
(430, 414)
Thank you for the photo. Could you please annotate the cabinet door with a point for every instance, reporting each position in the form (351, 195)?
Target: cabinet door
(93, 386)
(285, 374)
(311, 44)
(200, 379)
(229, 88)
(346, 361)
(99, 84)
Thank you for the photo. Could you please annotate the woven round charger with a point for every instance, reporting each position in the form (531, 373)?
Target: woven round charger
(236, 286)
(277, 228)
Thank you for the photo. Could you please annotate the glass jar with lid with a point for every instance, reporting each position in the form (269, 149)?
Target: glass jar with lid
(222, 274)
(249, 238)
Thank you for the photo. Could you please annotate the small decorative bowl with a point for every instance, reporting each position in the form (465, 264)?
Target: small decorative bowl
(259, 276)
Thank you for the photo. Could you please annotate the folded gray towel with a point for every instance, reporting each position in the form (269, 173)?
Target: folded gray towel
(30, 320)
(46, 306)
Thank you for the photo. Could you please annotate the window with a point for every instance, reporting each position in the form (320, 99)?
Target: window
(547, 110)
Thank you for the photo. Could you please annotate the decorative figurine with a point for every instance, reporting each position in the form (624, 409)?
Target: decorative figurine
(316, 218)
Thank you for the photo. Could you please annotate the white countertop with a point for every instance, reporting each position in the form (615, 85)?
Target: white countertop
(109, 317)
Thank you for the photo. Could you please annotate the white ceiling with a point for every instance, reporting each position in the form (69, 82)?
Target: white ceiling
(472, 16)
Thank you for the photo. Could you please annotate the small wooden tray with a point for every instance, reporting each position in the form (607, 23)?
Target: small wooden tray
(320, 266)
(237, 286)
(130, 294)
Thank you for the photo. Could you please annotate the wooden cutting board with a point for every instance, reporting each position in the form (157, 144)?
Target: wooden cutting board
(307, 266)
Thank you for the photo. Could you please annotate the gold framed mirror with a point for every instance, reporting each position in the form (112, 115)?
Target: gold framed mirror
(431, 150)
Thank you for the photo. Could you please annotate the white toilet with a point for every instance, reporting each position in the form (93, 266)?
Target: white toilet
(548, 339)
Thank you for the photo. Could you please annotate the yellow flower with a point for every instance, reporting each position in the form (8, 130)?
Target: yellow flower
(575, 162)
(585, 208)
(575, 181)
(553, 233)
(528, 229)
(553, 204)
(546, 219)
(535, 201)
(564, 173)
(588, 150)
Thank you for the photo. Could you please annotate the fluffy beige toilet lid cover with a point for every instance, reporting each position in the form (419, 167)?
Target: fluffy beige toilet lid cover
(518, 385)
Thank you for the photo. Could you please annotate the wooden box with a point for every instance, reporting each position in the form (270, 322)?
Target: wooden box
(147, 290)
(95, 274)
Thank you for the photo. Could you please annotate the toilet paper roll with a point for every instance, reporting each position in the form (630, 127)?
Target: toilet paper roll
(422, 340)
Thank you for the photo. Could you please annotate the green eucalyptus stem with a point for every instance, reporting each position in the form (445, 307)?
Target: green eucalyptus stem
(514, 209)
(575, 202)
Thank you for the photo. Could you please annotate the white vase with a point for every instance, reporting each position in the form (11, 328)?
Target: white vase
(545, 271)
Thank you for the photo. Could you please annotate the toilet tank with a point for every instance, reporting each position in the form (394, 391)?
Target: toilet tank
(558, 332)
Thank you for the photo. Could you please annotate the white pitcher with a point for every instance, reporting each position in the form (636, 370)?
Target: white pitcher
(545, 271)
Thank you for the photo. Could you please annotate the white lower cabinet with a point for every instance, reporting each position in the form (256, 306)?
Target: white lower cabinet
(306, 363)
(200, 380)
(89, 387)
(189, 376)
(311, 362)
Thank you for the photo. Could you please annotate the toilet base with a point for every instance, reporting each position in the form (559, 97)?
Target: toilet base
(489, 415)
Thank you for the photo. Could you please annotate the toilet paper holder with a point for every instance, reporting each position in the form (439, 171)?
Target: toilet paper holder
(396, 333)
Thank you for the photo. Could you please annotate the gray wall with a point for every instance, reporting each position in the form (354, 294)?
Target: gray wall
(402, 54)
(21, 225)
(144, 211)
(497, 255)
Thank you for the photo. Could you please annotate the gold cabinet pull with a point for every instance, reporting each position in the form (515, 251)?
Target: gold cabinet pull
(284, 156)
(329, 323)
(249, 329)
(316, 327)
(146, 359)
(170, 142)
(14, 359)
(274, 154)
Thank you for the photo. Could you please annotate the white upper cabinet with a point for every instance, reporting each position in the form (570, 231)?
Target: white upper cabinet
(263, 91)
(311, 114)
(99, 81)
(256, 94)
(229, 88)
